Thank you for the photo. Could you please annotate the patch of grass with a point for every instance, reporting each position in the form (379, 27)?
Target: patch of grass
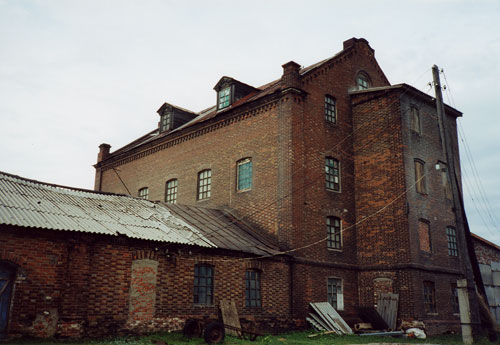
(293, 338)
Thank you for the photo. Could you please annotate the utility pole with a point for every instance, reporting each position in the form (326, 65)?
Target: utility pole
(449, 155)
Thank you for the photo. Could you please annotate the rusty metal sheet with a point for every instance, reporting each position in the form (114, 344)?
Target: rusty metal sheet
(486, 274)
(495, 266)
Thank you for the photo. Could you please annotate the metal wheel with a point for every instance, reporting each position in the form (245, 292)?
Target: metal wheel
(214, 333)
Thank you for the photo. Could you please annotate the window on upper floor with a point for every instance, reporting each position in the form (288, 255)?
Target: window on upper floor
(330, 109)
(420, 185)
(224, 98)
(454, 299)
(429, 297)
(244, 174)
(204, 184)
(362, 81)
(171, 191)
(143, 193)
(415, 124)
(334, 293)
(334, 233)
(332, 170)
(424, 235)
(252, 289)
(451, 236)
(165, 121)
(203, 284)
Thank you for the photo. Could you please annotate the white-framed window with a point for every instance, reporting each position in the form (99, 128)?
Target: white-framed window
(171, 191)
(204, 184)
(224, 98)
(335, 294)
(244, 174)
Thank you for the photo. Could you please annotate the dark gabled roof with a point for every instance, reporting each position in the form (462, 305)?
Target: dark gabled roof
(38, 205)
(258, 93)
(408, 89)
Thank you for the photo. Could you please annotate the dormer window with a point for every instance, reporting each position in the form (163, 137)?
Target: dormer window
(165, 121)
(363, 81)
(224, 98)
(172, 117)
(230, 90)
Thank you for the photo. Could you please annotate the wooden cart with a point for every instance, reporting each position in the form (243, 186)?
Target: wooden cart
(214, 331)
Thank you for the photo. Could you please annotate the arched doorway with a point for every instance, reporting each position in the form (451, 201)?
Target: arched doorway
(6, 282)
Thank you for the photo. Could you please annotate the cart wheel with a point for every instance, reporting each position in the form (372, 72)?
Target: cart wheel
(191, 328)
(214, 333)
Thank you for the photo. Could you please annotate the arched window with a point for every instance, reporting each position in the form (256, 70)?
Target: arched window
(330, 109)
(362, 81)
(204, 184)
(171, 191)
(244, 174)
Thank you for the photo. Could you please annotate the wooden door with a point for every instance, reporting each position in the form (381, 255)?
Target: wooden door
(6, 281)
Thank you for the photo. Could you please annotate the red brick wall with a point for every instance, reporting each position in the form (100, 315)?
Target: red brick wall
(485, 253)
(50, 298)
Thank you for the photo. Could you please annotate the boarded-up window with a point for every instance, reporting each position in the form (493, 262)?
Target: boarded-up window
(420, 177)
(415, 120)
(446, 182)
(424, 236)
(142, 298)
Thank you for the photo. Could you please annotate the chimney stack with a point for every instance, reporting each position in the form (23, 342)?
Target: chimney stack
(103, 152)
(291, 75)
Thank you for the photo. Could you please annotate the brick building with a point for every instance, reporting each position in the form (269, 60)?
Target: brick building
(343, 169)
(76, 262)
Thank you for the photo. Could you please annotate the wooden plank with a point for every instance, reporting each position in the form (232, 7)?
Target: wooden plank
(230, 316)
(337, 320)
(387, 307)
(327, 320)
(316, 325)
(318, 320)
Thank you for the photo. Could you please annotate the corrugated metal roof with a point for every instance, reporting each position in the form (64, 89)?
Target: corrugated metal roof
(39, 205)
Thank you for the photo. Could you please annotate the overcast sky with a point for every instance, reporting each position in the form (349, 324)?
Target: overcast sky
(75, 74)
